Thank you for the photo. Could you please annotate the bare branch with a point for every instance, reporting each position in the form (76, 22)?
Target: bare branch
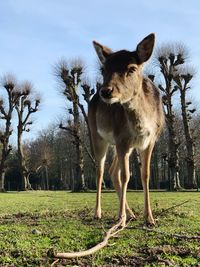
(68, 129)
(176, 53)
(9, 82)
(173, 90)
(2, 110)
(161, 88)
(88, 92)
(26, 88)
(188, 237)
(89, 153)
(174, 206)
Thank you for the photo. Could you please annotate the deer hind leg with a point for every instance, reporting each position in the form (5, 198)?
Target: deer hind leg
(123, 162)
(100, 149)
(116, 179)
(145, 174)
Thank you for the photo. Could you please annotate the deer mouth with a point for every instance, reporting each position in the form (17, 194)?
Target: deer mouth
(111, 100)
(107, 96)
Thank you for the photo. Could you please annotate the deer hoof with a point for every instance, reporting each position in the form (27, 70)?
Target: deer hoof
(150, 223)
(122, 221)
(97, 215)
(130, 215)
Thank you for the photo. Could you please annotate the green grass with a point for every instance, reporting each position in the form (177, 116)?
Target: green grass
(33, 222)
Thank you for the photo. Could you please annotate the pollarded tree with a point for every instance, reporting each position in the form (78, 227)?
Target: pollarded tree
(169, 58)
(6, 112)
(176, 77)
(25, 107)
(183, 77)
(71, 78)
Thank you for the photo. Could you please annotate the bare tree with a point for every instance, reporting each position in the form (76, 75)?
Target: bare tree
(169, 57)
(24, 107)
(42, 158)
(6, 111)
(71, 78)
(183, 77)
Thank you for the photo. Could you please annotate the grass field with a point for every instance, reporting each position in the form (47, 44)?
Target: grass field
(33, 222)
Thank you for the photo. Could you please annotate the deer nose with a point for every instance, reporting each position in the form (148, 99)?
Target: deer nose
(106, 92)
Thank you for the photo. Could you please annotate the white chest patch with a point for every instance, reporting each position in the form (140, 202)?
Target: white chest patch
(142, 141)
(108, 136)
(142, 135)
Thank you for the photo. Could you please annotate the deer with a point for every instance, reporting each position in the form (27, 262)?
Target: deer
(126, 112)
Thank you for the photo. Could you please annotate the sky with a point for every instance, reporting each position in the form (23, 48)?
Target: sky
(35, 35)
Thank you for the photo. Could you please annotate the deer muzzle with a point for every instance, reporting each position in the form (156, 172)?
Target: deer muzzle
(106, 92)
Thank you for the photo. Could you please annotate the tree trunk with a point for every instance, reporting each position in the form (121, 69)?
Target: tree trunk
(79, 179)
(136, 170)
(47, 177)
(79, 183)
(2, 171)
(191, 179)
(173, 161)
(2, 180)
(5, 149)
(155, 169)
(25, 183)
(173, 149)
(43, 184)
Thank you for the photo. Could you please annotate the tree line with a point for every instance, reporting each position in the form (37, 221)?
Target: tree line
(61, 156)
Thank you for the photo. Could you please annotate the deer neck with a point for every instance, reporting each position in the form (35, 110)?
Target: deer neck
(135, 104)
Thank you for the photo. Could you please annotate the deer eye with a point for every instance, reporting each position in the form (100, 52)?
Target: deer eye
(131, 70)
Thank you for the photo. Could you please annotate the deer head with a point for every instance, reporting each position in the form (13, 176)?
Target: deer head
(121, 70)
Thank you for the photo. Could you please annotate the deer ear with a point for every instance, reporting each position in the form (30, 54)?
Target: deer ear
(145, 47)
(102, 51)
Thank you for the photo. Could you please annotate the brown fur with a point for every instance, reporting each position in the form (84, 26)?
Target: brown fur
(126, 112)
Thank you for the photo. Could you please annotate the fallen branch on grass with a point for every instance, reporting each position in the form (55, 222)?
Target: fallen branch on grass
(54, 263)
(173, 207)
(113, 231)
(165, 233)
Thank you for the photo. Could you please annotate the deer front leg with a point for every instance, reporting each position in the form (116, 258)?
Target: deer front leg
(145, 174)
(125, 175)
(99, 175)
(100, 149)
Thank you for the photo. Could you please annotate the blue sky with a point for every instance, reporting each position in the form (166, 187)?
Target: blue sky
(36, 34)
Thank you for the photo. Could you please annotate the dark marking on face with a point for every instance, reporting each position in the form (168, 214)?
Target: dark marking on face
(118, 62)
